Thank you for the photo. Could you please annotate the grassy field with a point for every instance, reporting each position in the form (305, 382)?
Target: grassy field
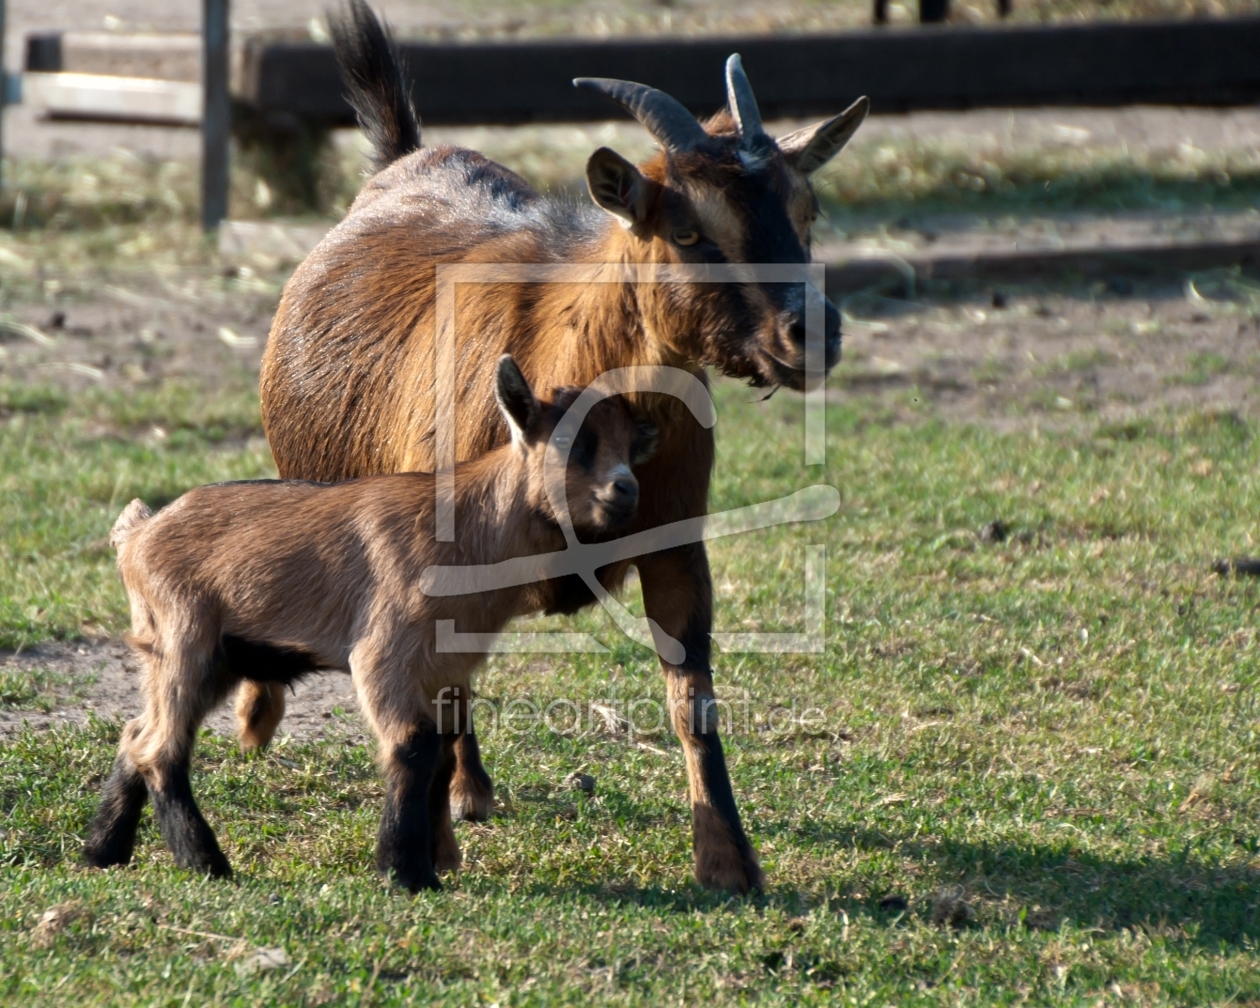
(884, 179)
(67, 468)
(1035, 775)
(79, 212)
(1035, 779)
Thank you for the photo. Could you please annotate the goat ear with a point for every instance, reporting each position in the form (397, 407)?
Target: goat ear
(516, 399)
(617, 186)
(647, 436)
(810, 148)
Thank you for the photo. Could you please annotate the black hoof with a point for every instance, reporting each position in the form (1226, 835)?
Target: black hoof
(212, 866)
(414, 882)
(106, 856)
(112, 833)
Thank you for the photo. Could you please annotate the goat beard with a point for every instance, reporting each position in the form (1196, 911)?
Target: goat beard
(746, 352)
(758, 369)
(732, 338)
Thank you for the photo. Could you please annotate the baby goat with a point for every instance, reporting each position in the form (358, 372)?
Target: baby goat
(276, 578)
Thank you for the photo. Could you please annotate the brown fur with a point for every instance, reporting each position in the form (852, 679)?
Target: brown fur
(348, 377)
(331, 572)
(259, 711)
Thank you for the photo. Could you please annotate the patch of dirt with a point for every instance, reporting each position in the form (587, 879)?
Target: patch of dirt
(107, 684)
(1015, 358)
(1011, 356)
(124, 338)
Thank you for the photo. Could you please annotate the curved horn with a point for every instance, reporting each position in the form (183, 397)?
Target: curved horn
(662, 116)
(743, 106)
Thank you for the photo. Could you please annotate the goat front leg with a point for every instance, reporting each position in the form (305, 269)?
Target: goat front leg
(678, 595)
(413, 756)
(404, 845)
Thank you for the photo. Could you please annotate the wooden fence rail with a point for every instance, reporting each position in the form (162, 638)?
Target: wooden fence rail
(1208, 62)
(292, 91)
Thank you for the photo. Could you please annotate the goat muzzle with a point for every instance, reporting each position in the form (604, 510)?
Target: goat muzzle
(791, 358)
(619, 499)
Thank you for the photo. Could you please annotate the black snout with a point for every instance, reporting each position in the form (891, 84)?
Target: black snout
(798, 334)
(620, 499)
(831, 334)
(626, 490)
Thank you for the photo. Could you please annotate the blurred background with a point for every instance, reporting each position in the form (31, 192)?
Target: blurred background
(1147, 154)
(1082, 254)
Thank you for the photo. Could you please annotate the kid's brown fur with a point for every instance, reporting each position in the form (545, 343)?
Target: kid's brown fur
(327, 576)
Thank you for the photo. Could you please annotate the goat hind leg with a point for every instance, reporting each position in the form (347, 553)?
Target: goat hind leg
(471, 790)
(112, 832)
(259, 709)
(181, 689)
(185, 832)
(445, 847)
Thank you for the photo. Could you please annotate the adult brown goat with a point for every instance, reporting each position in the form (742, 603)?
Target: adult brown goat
(349, 378)
(325, 576)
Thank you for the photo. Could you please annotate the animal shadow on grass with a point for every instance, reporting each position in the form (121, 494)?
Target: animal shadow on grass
(1182, 894)
(620, 807)
(682, 900)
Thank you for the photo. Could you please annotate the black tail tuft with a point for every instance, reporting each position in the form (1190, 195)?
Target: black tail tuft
(372, 69)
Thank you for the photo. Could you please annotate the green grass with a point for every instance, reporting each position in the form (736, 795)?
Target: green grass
(1046, 747)
(889, 180)
(37, 689)
(1077, 360)
(66, 471)
(1201, 368)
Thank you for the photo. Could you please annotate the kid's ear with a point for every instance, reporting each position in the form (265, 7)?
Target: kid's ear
(516, 399)
(617, 186)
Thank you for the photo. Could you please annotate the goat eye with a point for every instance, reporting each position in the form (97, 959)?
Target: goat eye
(562, 440)
(686, 237)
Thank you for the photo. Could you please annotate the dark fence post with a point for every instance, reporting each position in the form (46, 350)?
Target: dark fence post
(933, 11)
(216, 116)
(4, 91)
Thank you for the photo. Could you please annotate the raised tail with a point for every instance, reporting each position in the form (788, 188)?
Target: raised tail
(132, 515)
(379, 91)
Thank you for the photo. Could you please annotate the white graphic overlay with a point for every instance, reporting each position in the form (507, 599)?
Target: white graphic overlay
(809, 504)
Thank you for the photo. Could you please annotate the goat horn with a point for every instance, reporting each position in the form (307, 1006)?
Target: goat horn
(743, 106)
(662, 116)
